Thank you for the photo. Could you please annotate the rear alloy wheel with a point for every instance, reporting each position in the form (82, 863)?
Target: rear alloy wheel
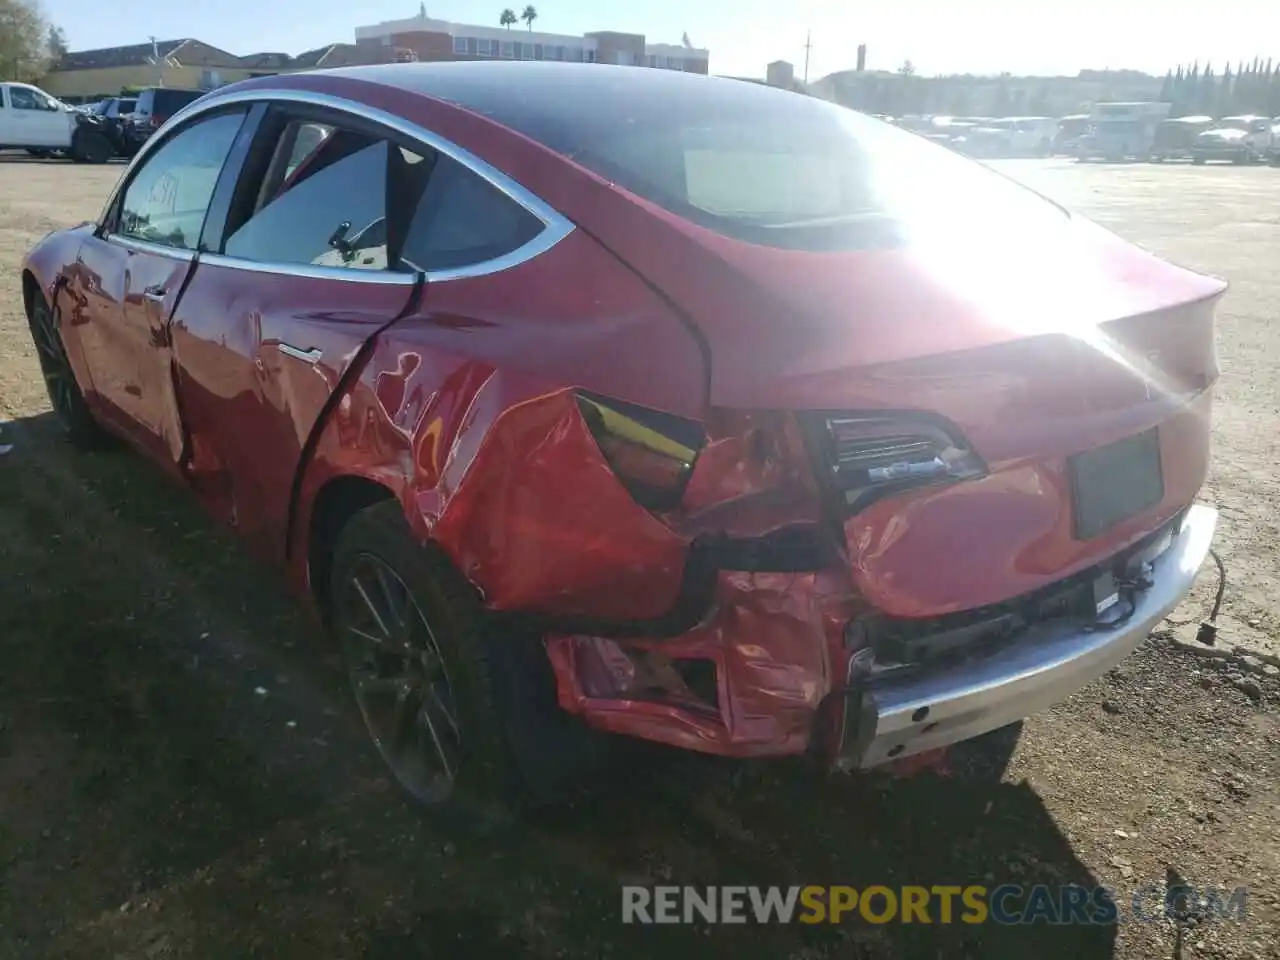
(90, 146)
(400, 680)
(464, 714)
(65, 395)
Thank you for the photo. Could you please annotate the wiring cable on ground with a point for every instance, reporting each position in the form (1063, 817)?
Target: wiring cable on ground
(1208, 632)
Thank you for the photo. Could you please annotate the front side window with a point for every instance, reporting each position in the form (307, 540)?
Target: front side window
(323, 202)
(462, 220)
(167, 200)
(24, 98)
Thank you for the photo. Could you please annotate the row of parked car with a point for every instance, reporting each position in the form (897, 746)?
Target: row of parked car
(1131, 132)
(44, 126)
(987, 136)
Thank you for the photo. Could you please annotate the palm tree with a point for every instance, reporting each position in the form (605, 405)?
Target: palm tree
(530, 14)
(508, 18)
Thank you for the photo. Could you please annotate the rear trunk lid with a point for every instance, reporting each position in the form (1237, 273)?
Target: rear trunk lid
(1034, 347)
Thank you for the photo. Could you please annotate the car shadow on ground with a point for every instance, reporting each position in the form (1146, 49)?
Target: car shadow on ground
(180, 770)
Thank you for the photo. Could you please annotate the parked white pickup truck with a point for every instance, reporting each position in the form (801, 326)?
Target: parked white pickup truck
(32, 120)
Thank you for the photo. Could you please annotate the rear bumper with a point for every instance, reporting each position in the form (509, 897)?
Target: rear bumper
(893, 719)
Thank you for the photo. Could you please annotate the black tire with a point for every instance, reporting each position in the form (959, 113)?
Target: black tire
(514, 749)
(90, 146)
(65, 395)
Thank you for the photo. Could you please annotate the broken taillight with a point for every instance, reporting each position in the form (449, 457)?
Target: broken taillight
(866, 457)
(651, 452)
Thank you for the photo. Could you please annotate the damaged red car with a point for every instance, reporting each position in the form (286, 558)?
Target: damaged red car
(581, 399)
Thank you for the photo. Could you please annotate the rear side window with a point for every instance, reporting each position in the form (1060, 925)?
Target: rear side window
(324, 204)
(167, 200)
(463, 220)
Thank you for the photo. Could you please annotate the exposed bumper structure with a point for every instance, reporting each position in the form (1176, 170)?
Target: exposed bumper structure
(892, 719)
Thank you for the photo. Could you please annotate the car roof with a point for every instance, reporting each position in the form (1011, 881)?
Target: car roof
(528, 95)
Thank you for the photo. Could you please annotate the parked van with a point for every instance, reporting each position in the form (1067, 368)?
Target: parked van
(1070, 130)
(1013, 137)
(1122, 131)
(1176, 137)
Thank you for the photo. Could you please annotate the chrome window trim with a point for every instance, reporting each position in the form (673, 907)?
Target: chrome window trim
(146, 246)
(311, 271)
(555, 225)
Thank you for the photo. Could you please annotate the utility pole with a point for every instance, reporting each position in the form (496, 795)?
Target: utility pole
(808, 45)
(155, 59)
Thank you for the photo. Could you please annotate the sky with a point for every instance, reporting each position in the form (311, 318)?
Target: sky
(969, 36)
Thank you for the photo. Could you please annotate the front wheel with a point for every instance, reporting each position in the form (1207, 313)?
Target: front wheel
(461, 714)
(90, 146)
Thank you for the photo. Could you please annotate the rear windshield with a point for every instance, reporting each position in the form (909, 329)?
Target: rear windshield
(168, 101)
(812, 177)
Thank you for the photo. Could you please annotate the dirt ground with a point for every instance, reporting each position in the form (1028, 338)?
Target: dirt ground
(181, 776)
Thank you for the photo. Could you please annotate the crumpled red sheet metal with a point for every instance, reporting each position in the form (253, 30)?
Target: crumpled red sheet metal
(775, 640)
(541, 524)
(535, 518)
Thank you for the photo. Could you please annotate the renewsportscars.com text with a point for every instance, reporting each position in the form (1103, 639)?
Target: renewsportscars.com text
(940, 903)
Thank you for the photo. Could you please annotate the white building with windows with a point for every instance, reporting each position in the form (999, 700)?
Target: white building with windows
(431, 39)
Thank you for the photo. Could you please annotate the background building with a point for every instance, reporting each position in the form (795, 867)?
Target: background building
(188, 64)
(192, 64)
(904, 92)
(90, 74)
(428, 39)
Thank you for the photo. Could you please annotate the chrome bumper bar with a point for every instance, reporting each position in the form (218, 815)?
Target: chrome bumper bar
(897, 718)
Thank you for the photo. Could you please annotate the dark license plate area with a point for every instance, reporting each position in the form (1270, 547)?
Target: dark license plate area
(1113, 483)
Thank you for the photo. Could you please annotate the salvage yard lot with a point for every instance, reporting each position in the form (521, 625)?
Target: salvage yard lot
(181, 776)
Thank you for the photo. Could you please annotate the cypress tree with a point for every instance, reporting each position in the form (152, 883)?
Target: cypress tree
(1206, 91)
(1223, 103)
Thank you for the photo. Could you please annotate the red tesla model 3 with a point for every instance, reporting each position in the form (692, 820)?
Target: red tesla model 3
(580, 398)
